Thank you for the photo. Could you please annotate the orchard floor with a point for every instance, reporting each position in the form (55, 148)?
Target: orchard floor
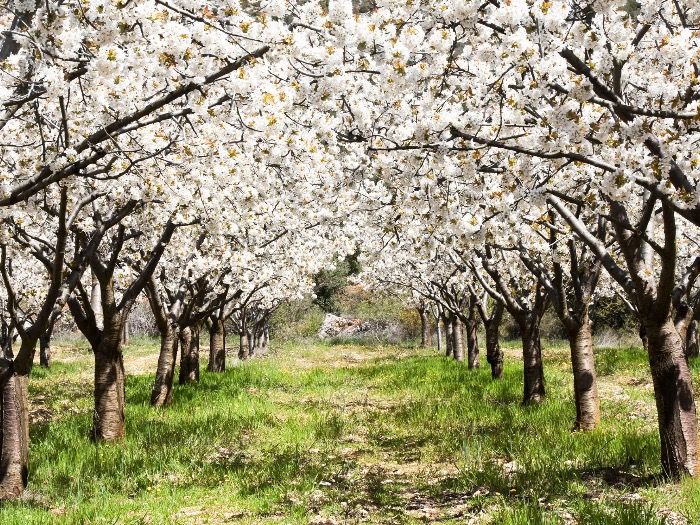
(326, 434)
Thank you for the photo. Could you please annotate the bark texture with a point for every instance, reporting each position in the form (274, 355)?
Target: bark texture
(472, 327)
(494, 353)
(673, 390)
(189, 356)
(533, 375)
(692, 349)
(458, 339)
(585, 382)
(426, 339)
(162, 393)
(14, 436)
(244, 346)
(217, 346)
(449, 340)
(45, 350)
(108, 417)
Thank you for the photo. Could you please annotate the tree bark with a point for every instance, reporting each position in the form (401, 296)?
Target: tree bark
(266, 338)
(244, 347)
(449, 346)
(533, 375)
(108, 416)
(494, 353)
(96, 302)
(14, 437)
(217, 346)
(426, 339)
(472, 326)
(252, 341)
(585, 382)
(126, 333)
(45, 350)
(162, 393)
(675, 405)
(458, 338)
(692, 349)
(189, 356)
(440, 335)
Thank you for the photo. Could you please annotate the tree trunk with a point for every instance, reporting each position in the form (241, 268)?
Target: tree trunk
(440, 335)
(494, 353)
(45, 350)
(266, 338)
(426, 338)
(472, 327)
(162, 392)
(252, 341)
(126, 333)
(449, 341)
(533, 371)
(458, 338)
(675, 405)
(108, 417)
(691, 342)
(217, 347)
(189, 356)
(244, 347)
(585, 382)
(96, 302)
(194, 354)
(14, 438)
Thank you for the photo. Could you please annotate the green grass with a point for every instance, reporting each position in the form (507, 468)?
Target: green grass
(351, 433)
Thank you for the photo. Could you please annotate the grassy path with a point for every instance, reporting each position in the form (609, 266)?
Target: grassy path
(326, 434)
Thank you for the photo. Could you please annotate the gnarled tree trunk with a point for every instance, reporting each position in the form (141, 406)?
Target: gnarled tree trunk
(533, 375)
(162, 393)
(585, 382)
(217, 346)
(675, 405)
(108, 416)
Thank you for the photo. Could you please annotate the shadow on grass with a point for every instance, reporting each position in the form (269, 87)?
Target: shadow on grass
(232, 428)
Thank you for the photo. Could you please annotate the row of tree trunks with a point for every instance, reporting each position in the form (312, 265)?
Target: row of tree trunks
(259, 338)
